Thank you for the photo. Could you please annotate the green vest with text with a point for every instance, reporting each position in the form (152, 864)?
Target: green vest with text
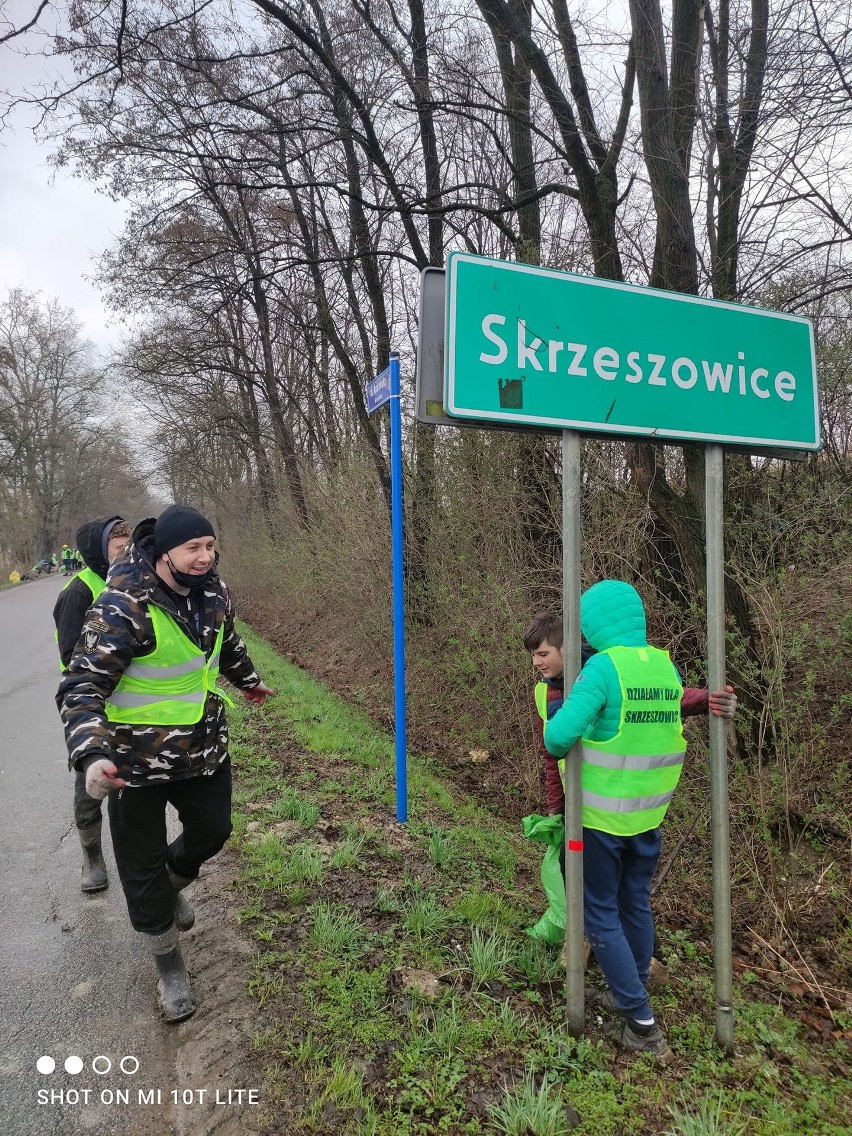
(168, 687)
(95, 585)
(629, 779)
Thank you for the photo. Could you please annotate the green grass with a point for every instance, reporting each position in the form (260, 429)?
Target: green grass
(441, 850)
(336, 930)
(273, 864)
(425, 917)
(491, 956)
(526, 1109)
(477, 906)
(348, 853)
(292, 805)
(710, 1117)
(357, 1042)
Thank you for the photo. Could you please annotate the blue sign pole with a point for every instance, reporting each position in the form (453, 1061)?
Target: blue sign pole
(385, 388)
(398, 596)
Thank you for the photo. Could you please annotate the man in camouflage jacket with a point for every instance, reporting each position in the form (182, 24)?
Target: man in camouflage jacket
(171, 567)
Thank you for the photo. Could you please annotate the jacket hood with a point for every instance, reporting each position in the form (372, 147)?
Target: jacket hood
(136, 574)
(90, 543)
(612, 615)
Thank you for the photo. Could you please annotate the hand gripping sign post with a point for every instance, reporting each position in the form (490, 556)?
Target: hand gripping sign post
(385, 388)
(531, 348)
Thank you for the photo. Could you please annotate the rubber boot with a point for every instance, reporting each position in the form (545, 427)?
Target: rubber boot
(184, 915)
(94, 877)
(173, 989)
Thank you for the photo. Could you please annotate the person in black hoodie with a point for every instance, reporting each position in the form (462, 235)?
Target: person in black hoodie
(145, 722)
(100, 542)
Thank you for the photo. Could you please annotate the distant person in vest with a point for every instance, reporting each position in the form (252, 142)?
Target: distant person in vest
(101, 542)
(66, 555)
(626, 707)
(145, 721)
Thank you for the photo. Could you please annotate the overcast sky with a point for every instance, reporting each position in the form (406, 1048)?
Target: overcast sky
(51, 224)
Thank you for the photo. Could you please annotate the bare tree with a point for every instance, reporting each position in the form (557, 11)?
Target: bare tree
(296, 169)
(9, 31)
(48, 430)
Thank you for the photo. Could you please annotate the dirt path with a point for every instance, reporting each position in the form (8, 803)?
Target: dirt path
(216, 1050)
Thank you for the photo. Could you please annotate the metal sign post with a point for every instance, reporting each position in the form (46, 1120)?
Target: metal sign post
(719, 805)
(572, 449)
(386, 388)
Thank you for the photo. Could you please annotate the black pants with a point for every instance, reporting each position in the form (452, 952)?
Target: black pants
(87, 811)
(137, 819)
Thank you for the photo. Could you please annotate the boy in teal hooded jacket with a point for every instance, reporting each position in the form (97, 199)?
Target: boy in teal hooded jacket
(625, 706)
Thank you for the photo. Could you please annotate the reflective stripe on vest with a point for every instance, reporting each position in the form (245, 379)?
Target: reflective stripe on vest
(145, 670)
(612, 805)
(631, 760)
(127, 701)
(168, 687)
(95, 584)
(629, 779)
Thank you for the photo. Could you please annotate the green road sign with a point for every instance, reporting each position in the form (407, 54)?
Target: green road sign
(534, 346)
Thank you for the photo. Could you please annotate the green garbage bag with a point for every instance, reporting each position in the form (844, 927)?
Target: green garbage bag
(550, 830)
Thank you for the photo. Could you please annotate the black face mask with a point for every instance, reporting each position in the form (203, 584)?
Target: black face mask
(187, 579)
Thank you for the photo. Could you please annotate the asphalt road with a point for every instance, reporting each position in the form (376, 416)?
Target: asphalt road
(74, 980)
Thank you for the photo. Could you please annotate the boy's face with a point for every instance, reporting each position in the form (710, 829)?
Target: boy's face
(116, 546)
(549, 660)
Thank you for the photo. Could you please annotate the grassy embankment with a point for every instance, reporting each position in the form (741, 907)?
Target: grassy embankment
(398, 994)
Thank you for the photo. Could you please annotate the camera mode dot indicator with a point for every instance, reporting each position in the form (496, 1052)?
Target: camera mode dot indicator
(73, 1065)
(45, 1064)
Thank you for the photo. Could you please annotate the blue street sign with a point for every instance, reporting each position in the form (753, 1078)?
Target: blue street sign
(379, 390)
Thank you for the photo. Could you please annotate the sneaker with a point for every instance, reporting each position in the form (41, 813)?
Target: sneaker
(605, 1000)
(640, 1039)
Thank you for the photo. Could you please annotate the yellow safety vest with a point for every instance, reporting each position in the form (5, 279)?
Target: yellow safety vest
(95, 584)
(629, 779)
(170, 686)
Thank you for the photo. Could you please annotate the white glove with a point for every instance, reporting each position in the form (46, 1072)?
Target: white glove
(101, 778)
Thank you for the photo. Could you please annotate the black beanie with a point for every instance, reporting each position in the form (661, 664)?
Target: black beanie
(178, 524)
